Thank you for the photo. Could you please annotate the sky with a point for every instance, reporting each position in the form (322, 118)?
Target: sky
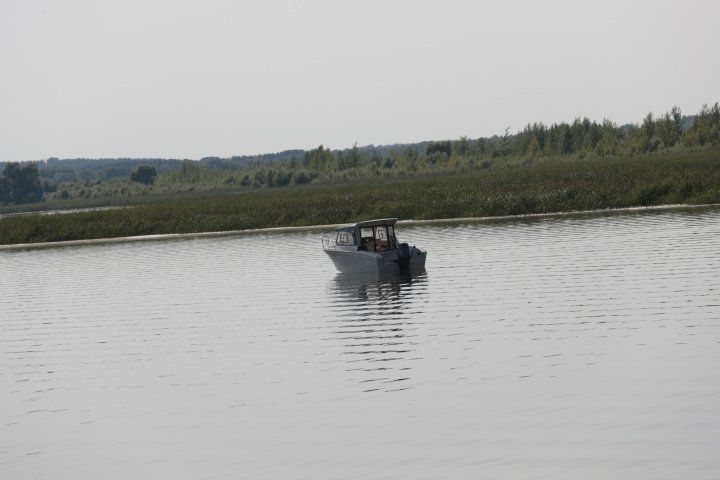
(189, 79)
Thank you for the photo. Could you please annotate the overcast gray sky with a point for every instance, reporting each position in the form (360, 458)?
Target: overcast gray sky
(188, 79)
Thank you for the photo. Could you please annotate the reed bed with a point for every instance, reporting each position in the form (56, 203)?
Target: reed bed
(539, 187)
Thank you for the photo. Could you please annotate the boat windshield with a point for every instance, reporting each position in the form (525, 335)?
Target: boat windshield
(367, 239)
(345, 239)
(381, 238)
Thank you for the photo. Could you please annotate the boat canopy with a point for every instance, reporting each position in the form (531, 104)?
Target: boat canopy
(369, 223)
(377, 223)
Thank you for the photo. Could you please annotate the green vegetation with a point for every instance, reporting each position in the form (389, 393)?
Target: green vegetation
(77, 183)
(144, 174)
(563, 167)
(20, 183)
(537, 185)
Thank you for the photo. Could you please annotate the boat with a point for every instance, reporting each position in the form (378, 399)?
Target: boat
(372, 246)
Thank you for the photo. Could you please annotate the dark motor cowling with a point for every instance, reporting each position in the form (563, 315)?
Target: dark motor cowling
(404, 256)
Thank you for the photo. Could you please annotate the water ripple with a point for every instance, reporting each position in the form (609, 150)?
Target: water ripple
(558, 347)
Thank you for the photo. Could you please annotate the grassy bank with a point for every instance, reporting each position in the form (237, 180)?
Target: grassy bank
(549, 186)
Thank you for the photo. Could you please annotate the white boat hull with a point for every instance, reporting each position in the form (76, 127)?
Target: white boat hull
(360, 261)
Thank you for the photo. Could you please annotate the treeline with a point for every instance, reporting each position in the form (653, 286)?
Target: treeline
(541, 187)
(20, 183)
(583, 138)
(671, 132)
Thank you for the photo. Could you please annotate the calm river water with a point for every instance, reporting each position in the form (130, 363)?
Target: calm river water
(574, 347)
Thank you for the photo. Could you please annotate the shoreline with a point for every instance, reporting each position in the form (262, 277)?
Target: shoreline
(307, 228)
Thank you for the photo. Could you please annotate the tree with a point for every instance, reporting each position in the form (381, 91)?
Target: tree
(439, 147)
(320, 160)
(667, 130)
(23, 183)
(189, 171)
(463, 146)
(354, 157)
(610, 138)
(648, 133)
(677, 121)
(705, 129)
(144, 174)
(533, 148)
(5, 190)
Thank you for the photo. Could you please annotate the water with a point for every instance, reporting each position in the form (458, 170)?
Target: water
(60, 211)
(557, 348)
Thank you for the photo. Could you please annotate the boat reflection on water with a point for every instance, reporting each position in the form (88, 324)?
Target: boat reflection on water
(374, 317)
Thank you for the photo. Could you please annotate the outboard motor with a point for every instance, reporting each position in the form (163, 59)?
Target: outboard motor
(404, 256)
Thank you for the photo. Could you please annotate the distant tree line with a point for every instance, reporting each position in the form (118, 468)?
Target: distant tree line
(73, 178)
(20, 183)
(581, 138)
